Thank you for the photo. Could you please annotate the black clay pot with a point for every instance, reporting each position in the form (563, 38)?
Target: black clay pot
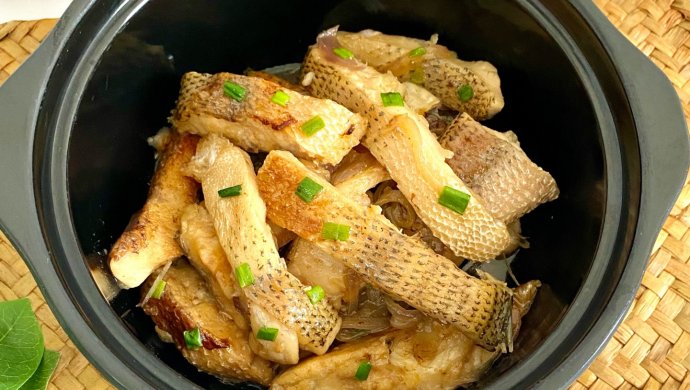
(588, 107)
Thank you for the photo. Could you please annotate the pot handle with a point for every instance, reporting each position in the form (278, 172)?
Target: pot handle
(19, 100)
(659, 117)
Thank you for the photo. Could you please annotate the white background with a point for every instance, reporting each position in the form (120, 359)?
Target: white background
(31, 9)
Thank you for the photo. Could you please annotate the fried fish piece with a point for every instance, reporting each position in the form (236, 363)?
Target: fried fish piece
(432, 356)
(276, 79)
(275, 298)
(254, 122)
(186, 304)
(401, 141)
(497, 169)
(150, 239)
(357, 173)
(471, 87)
(401, 266)
(201, 246)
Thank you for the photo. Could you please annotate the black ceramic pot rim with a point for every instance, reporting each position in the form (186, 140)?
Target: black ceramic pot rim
(51, 85)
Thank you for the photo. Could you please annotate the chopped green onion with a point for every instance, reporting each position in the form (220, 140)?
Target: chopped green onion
(313, 125)
(316, 294)
(343, 53)
(158, 291)
(244, 275)
(465, 93)
(363, 371)
(334, 231)
(308, 189)
(454, 199)
(192, 338)
(420, 51)
(392, 99)
(234, 91)
(230, 191)
(417, 76)
(268, 334)
(280, 98)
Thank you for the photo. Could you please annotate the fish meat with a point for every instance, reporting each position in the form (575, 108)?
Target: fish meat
(432, 66)
(150, 239)
(401, 266)
(357, 173)
(429, 356)
(187, 303)
(203, 250)
(255, 122)
(401, 141)
(275, 298)
(497, 169)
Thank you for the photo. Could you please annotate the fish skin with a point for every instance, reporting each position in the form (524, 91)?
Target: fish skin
(497, 169)
(399, 265)
(443, 77)
(434, 357)
(357, 173)
(442, 72)
(242, 230)
(258, 124)
(150, 239)
(401, 141)
(200, 243)
(187, 303)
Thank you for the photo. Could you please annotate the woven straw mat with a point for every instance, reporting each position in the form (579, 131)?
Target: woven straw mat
(650, 350)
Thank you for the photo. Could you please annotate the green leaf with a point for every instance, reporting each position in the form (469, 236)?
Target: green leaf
(40, 379)
(21, 343)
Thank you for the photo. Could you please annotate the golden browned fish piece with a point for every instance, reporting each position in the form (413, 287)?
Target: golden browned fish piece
(368, 243)
(275, 298)
(150, 239)
(400, 139)
(187, 303)
(200, 243)
(310, 128)
(437, 357)
(471, 87)
(276, 79)
(496, 169)
(357, 173)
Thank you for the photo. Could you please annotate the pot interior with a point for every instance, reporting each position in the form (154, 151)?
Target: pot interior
(134, 86)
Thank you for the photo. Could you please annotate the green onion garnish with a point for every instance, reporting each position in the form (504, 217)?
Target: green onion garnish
(417, 76)
(192, 338)
(392, 99)
(465, 93)
(420, 51)
(230, 191)
(316, 294)
(343, 53)
(280, 98)
(313, 125)
(308, 189)
(268, 334)
(454, 199)
(334, 231)
(234, 91)
(158, 291)
(363, 371)
(244, 275)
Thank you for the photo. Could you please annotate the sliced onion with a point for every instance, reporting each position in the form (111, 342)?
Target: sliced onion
(402, 318)
(327, 41)
(160, 276)
(394, 205)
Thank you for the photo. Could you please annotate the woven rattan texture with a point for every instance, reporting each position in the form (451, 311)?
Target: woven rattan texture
(17, 41)
(650, 350)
